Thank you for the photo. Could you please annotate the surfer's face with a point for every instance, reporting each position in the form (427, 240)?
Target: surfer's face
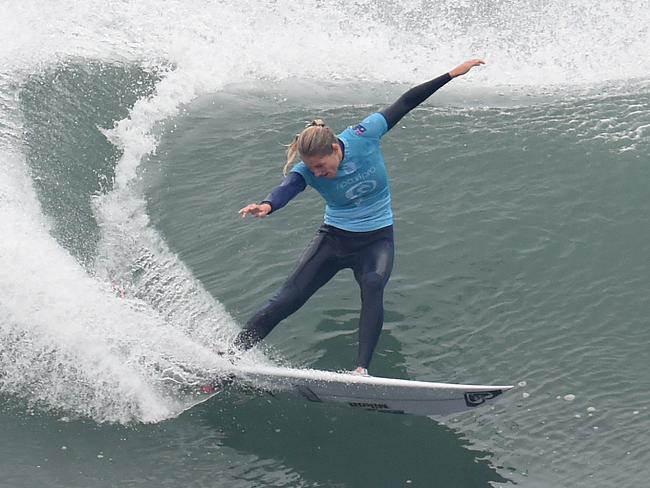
(325, 166)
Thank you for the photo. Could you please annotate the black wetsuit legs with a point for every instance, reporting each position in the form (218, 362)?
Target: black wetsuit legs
(368, 254)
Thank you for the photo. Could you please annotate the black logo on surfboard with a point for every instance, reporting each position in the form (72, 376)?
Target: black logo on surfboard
(476, 398)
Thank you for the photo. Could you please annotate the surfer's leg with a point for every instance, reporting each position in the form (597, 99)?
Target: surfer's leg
(316, 267)
(372, 272)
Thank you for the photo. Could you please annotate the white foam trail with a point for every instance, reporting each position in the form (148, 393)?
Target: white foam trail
(68, 340)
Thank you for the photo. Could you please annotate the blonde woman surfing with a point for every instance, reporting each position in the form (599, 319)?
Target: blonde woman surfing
(348, 171)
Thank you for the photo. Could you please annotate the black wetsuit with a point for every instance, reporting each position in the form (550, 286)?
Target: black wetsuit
(368, 254)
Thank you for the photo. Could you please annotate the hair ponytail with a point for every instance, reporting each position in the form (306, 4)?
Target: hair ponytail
(316, 139)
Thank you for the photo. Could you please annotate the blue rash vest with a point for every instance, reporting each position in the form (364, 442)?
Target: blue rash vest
(358, 198)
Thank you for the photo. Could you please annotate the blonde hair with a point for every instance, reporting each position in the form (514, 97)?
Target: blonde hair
(316, 139)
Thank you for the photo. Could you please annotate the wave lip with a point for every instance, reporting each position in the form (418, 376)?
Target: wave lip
(524, 42)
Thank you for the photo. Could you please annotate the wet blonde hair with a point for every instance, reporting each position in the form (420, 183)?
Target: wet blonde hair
(316, 139)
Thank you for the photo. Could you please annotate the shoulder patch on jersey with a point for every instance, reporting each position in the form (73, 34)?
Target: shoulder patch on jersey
(359, 129)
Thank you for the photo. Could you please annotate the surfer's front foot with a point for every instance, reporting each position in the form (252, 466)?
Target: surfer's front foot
(232, 355)
(359, 371)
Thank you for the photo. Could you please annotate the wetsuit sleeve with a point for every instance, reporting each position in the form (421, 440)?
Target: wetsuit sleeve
(292, 184)
(412, 98)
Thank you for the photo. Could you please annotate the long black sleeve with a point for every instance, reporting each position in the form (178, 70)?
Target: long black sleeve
(412, 98)
(292, 184)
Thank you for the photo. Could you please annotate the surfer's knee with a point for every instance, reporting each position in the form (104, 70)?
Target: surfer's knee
(372, 282)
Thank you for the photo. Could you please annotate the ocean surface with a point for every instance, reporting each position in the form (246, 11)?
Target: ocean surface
(132, 132)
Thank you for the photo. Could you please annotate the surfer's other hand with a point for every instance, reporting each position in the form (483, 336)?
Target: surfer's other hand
(256, 210)
(463, 68)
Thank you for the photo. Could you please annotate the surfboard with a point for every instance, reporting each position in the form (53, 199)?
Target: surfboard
(388, 395)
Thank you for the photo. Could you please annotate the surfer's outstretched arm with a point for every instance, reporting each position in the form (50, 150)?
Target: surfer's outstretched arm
(292, 184)
(418, 94)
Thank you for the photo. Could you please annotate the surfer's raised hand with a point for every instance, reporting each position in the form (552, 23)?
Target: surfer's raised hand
(256, 210)
(461, 69)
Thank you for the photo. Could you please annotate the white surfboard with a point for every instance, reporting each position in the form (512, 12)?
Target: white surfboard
(374, 393)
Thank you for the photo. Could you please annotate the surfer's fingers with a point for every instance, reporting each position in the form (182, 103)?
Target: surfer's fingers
(473, 62)
(248, 209)
(463, 68)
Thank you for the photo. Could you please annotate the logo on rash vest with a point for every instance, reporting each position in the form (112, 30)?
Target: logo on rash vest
(359, 129)
(359, 177)
(360, 189)
(358, 185)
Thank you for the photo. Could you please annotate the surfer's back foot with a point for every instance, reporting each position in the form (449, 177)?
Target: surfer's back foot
(360, 371)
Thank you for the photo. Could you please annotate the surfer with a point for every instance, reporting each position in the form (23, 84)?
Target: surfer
(348, 171)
